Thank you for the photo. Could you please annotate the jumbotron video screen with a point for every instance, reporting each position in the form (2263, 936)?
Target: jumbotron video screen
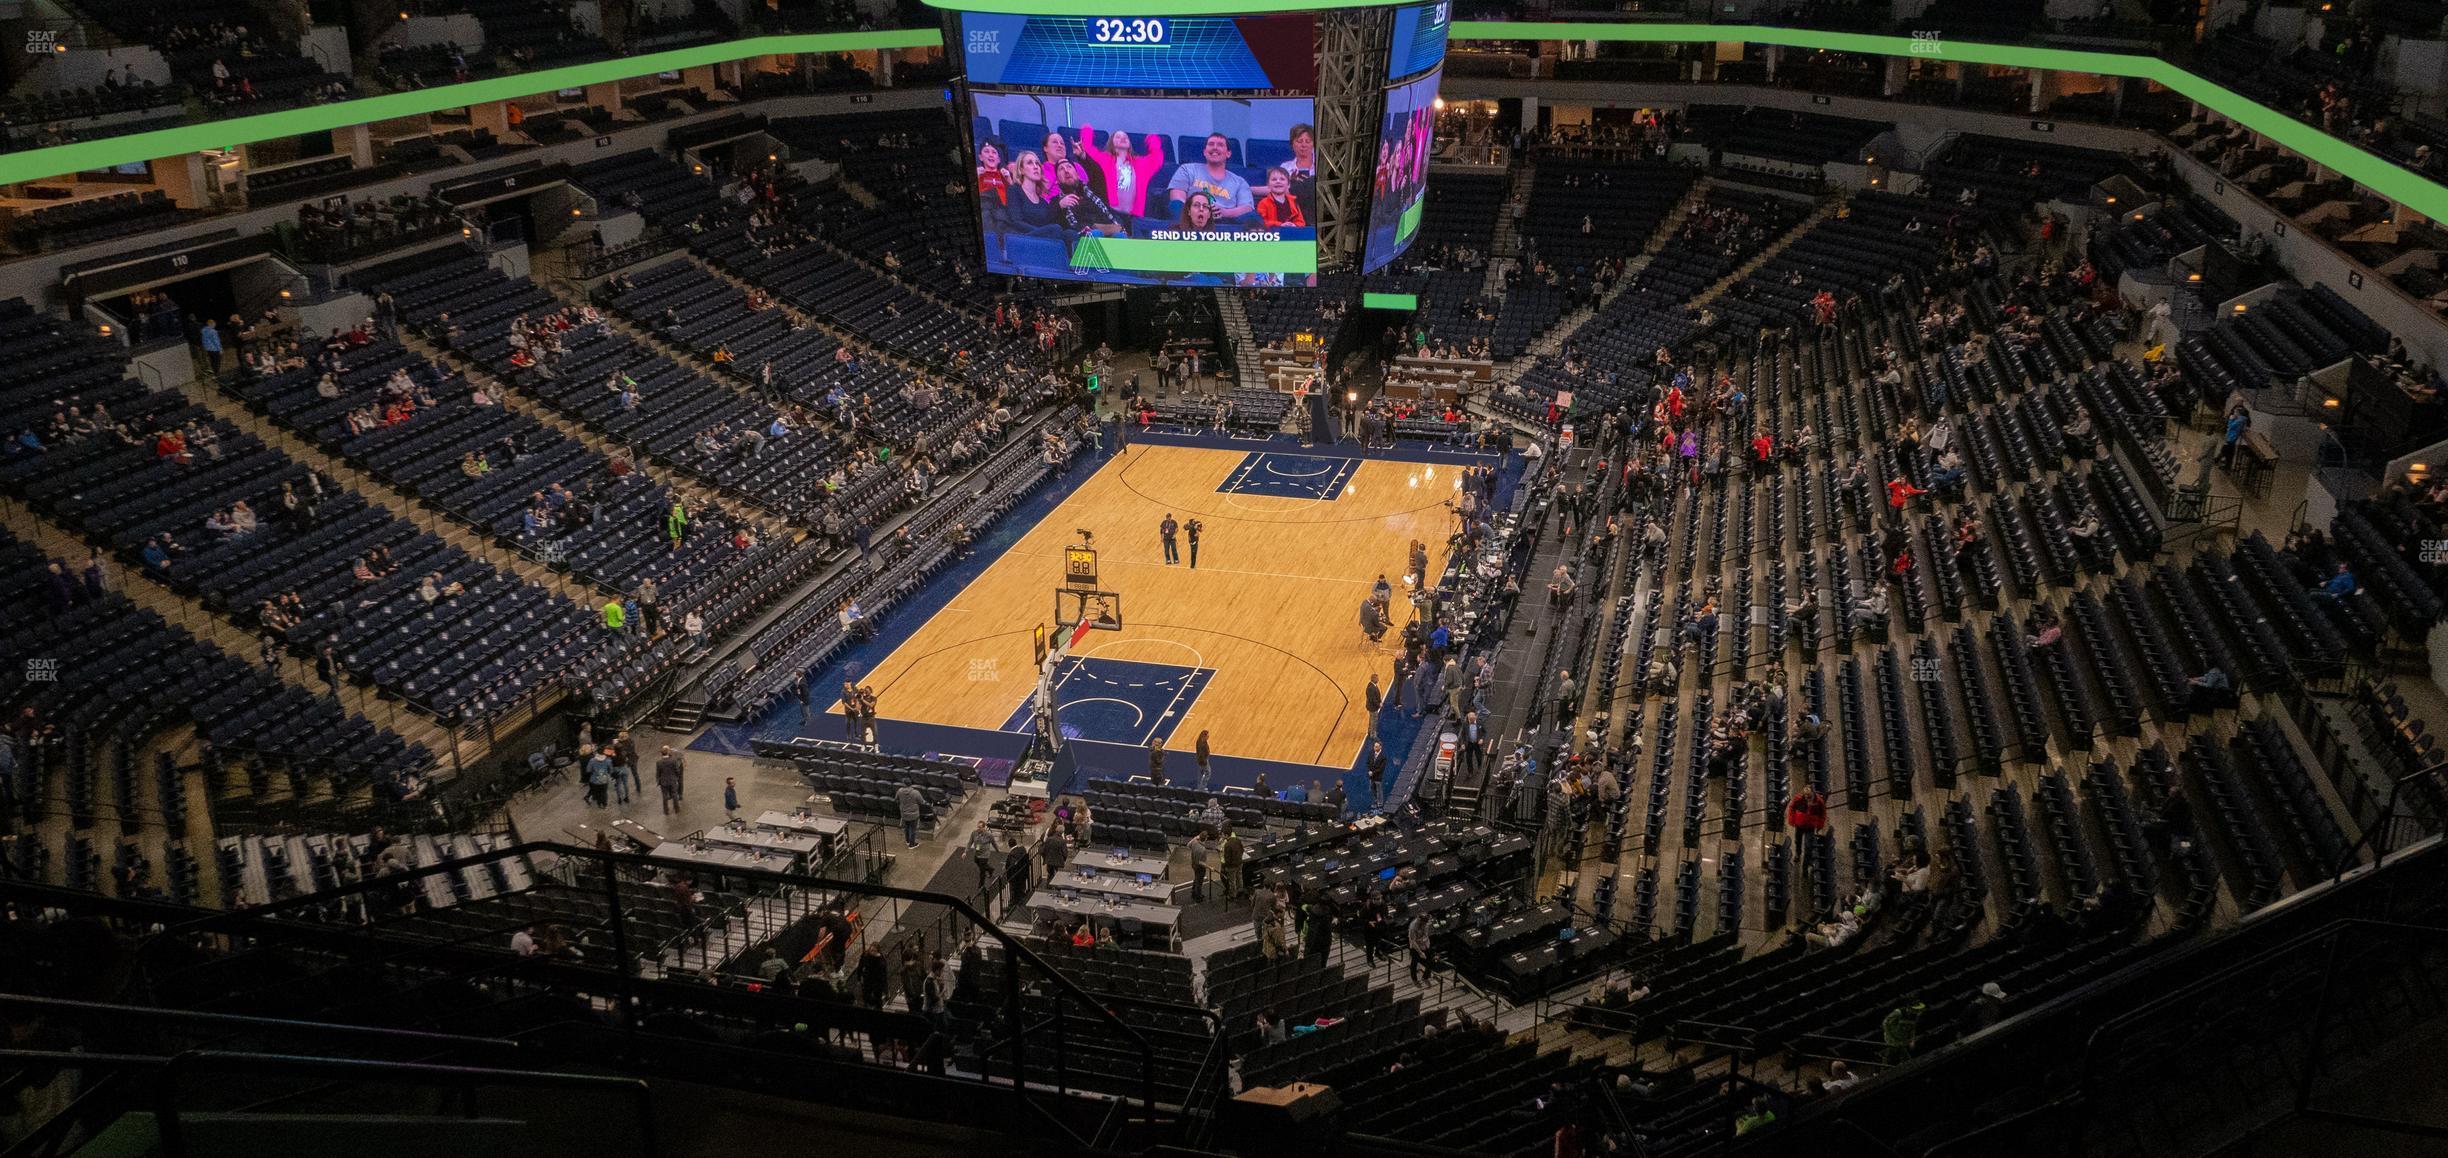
(1082, 174)
(1406, 133)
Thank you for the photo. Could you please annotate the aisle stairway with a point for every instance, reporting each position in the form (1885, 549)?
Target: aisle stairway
(1553, 340)
(1765, 256)
(1504, 248)
(1232, 309)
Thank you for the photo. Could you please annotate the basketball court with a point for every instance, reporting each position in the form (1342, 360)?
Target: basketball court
(1263, 633)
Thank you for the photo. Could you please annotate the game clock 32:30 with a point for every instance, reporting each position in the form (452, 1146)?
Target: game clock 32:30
(1119, 30)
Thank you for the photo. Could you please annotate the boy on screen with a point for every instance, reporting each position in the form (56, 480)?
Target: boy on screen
(1279, 206)
(1224, 188)
(990, 177)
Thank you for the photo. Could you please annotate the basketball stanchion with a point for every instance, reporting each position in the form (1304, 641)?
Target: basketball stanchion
(1047, 711)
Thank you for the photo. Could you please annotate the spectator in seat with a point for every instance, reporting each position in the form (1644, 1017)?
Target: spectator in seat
(1197, 213)
(1082, 209)
(2340, 584)
(2079, 438)
(1871, 609)
(993, 179)
(1127, 171)
(2086, 526)
(2049, 629)
(1279, 207)
(1032, 201)
(2210, 691)
(1803, 609)
(1228, 195)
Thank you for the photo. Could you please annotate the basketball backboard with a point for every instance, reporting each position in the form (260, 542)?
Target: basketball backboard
(1101, 610)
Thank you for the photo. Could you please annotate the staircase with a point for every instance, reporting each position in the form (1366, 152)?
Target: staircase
(760, 919)
(690, 357)
(1555, 337)
(682, 715)
(1504, 246)
(1231, 309)
(1764, 256)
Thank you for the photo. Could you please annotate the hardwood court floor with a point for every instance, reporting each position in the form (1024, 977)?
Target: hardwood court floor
(1273, 608)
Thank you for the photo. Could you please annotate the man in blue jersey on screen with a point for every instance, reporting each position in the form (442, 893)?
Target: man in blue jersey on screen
(1227, 193)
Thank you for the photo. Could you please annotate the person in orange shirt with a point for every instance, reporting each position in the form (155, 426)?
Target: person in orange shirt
(1279, 207)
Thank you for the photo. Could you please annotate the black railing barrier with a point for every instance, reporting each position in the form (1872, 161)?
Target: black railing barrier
(112, 1030)
(2198, 1006)
(375, 949)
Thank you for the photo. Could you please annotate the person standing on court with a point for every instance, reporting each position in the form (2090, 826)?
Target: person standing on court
(799, 691)
(1206, 770)
(1192, 528)
(1156, 760)
(1376, 772)
(1374, 701)
(1169, 529)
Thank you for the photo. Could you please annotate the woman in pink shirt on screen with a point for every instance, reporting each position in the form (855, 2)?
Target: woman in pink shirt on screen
(1127, 173)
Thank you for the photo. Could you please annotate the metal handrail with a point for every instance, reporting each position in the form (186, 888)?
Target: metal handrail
(1101, 1005)
(237, 1022)
(174, 1140)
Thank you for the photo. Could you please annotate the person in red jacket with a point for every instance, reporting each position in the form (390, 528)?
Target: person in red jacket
(1763, 449)
(1899, 492)
(1807, 811)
